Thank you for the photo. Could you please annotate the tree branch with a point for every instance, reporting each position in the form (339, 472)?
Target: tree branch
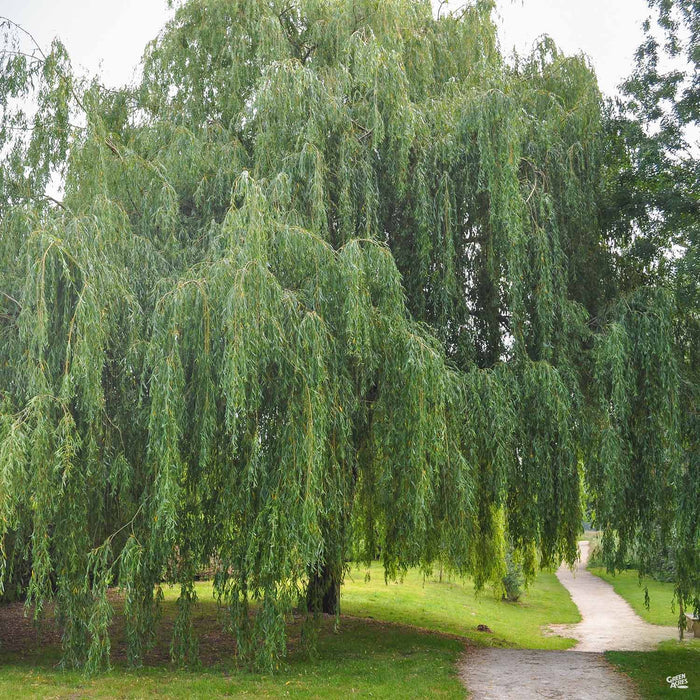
(11, 298)
(6, 20)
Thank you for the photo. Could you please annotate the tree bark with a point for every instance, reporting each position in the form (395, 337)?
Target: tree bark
(323, 592)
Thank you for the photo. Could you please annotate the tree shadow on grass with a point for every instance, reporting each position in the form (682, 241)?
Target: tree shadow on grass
(22, 642)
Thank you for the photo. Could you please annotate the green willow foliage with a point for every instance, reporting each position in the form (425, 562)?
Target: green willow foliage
(651, 215)
(320, 288)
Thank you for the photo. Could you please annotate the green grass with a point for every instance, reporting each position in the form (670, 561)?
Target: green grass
(452, 607)
(391, 638)
(650, 669)
(627, 585)
(367, 659)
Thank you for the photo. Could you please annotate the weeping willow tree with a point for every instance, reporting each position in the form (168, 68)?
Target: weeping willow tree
(326, 285)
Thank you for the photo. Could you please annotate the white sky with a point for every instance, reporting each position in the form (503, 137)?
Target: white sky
(110, 35)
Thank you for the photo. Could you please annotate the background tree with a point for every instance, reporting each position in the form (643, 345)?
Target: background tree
(650, 213)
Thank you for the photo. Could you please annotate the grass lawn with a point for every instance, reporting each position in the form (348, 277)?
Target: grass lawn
(453, 607)
(650, 669)
(365, 659)
(394, 641)
(627, 585)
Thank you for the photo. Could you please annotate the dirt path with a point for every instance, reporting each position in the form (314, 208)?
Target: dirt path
(608, 620)
(608, 623)
(519, 674)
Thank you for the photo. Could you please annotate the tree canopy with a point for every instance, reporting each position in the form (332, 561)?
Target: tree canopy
(650, 214)
(330, 283)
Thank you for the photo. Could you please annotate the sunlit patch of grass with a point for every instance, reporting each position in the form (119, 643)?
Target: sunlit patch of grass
(453, 607)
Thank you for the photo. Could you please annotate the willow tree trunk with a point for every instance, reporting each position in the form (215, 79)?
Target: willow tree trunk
(323, 591)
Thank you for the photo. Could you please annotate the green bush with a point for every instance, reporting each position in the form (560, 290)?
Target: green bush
(514, 580)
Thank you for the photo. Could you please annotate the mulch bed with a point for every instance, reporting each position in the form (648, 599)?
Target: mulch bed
(21, 637)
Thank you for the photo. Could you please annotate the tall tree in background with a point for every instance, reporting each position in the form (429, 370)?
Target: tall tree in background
(328, 284)
(652, 160)
(650, 213)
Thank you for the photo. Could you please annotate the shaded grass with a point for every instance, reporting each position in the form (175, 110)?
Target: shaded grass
(650, 669)
(453, 607)
(364, 658)
(628, 585)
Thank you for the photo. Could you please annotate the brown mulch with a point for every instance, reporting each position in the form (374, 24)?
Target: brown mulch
(19, 634)
(21, 637)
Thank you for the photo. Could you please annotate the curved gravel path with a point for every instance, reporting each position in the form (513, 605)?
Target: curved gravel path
(609, 622)
(581, 673)
(518, 674)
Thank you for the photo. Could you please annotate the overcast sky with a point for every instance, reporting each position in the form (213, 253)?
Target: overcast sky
(110, 36)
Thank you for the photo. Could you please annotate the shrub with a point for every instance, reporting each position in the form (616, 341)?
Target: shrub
(514, 580)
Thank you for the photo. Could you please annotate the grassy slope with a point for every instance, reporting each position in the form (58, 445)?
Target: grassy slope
(453, 607)
(365, 657)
